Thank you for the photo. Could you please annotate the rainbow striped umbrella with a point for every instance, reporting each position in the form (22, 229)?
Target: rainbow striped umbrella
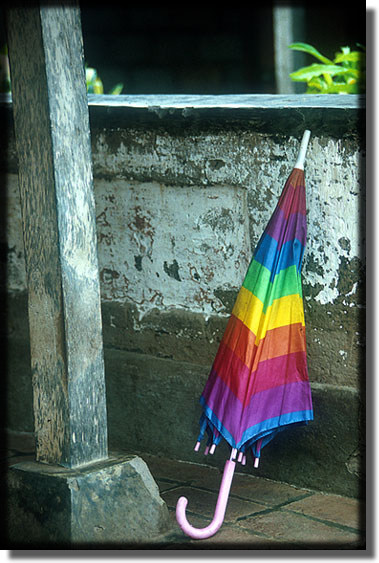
(259, 384)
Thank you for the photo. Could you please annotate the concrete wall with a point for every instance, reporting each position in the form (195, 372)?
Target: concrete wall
(184, 188)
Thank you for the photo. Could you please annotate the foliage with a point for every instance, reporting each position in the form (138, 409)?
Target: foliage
(5, 79)
(95, 85)
(93, 81)
(345, 74)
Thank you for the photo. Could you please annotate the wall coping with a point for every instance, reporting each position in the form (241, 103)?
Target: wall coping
(230, 101)
(332, 114)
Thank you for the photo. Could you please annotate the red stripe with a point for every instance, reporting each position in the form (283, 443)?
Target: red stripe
(292, 199)
(244, 382)
(277, 342)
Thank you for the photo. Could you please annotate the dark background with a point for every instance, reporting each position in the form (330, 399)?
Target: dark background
(203, 49)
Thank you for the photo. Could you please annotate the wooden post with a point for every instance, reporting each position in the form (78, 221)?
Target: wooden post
(56, 188)
(288, 22)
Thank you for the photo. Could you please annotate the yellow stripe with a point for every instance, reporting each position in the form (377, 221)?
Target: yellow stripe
(283, 311)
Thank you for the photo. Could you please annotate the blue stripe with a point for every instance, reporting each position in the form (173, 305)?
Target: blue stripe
(270, 425)
(267, 254)
(265, 429)
(217, 423)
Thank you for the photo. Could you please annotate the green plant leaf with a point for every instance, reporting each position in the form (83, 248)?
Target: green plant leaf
(343, 89)
(98, 86)
(353, 57)
(116, 89)
(317, 86)
(306, 48)
(345, 75)
(308, 72)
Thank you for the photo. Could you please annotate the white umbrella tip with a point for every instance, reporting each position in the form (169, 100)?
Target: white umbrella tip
(303, 149)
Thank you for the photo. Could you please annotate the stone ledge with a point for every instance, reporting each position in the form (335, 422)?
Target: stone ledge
(332, 114)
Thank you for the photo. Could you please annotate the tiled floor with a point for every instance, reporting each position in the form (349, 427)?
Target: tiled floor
(261, 514)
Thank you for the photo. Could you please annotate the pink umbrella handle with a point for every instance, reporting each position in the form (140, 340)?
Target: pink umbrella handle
(222, 501)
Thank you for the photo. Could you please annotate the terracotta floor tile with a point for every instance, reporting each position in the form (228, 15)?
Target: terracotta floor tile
(342, 510)
(230, 536)
(165, 486)
(292, 527)
(182, 472)
(203, 503)
(236, 538)
(263, 490)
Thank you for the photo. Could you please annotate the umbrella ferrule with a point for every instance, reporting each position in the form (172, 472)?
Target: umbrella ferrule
(303, 149)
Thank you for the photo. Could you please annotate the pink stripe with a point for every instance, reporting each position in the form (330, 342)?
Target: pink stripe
(293, 200)
(269, 373)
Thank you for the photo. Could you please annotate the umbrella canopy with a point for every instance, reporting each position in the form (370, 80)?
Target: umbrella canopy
(259, 384)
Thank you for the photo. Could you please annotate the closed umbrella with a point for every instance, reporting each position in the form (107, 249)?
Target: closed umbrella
(258, 384)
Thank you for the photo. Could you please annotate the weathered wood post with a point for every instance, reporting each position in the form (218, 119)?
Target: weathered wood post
(65, 497)
(288, 27)
(58, 212)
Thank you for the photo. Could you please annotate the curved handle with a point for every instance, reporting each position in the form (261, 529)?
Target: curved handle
(222, 501)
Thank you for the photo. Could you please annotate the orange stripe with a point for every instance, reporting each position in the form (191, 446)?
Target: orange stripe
(277, 342)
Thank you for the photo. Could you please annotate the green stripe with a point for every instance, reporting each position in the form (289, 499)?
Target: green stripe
(257, 281)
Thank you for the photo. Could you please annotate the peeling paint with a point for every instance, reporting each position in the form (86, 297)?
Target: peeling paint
(335, 204)
(260, 165)
(171, 247)
(215, 194)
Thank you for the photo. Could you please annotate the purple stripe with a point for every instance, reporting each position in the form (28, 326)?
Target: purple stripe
(283, 230)
(292, 397)
(268, 373)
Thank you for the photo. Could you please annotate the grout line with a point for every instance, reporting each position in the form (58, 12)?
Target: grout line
(169, 489)
(294, 499)
(173, 481)
(260, 502)
(273, 508)
(257, 513)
